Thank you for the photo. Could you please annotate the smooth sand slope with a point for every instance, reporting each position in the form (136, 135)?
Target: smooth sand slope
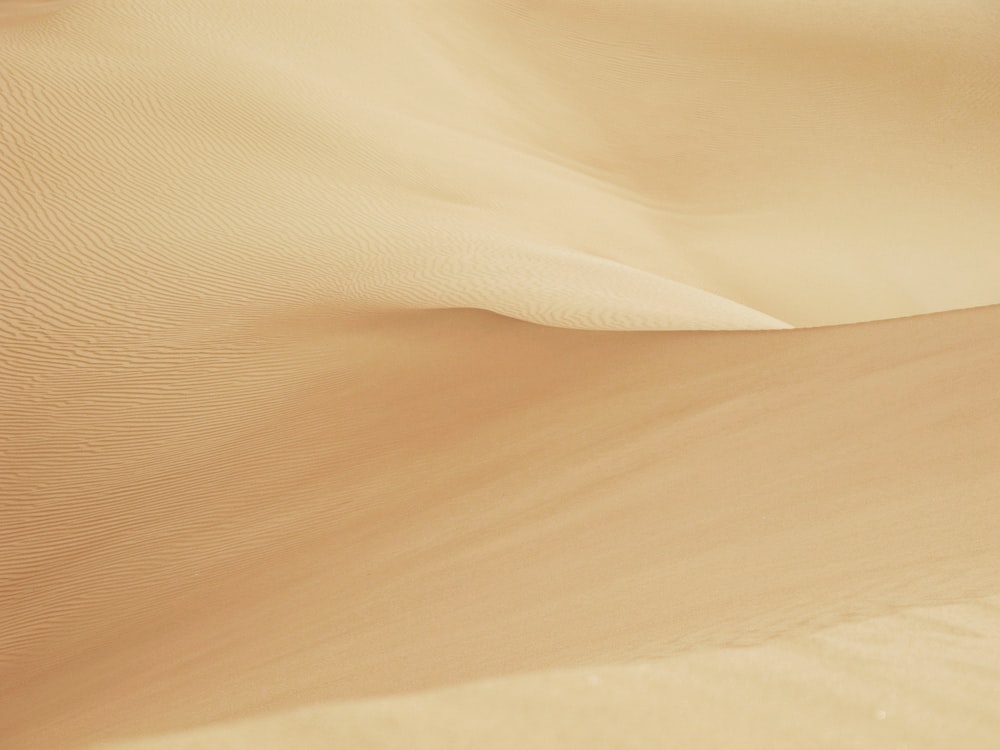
(485, 496)
(357, 349)
(925, 678)
(637, 165)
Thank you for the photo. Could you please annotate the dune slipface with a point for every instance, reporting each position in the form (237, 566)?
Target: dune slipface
(428, 363)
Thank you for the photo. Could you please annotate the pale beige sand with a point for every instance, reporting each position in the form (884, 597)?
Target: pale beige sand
(912, 680)
(293, 410)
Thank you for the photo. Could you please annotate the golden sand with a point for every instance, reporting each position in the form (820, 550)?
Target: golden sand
(558, 374)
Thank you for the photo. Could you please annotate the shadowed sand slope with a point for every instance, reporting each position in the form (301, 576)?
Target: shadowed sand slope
(453, 495)
(354, 349)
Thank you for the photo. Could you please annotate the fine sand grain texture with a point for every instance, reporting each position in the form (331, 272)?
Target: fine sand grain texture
(913, 680)
(560, 374)
(485, 496)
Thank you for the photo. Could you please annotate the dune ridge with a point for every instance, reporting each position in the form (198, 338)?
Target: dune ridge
(405, 494)
(352, 350)
(662, 167)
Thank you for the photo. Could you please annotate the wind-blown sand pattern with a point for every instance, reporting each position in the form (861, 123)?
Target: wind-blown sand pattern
(500, 374)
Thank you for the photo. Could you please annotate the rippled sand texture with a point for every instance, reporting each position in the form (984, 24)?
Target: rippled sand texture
(398, 359)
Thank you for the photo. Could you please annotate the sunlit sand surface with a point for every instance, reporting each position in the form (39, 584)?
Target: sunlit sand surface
(914, 680)
(497, 374)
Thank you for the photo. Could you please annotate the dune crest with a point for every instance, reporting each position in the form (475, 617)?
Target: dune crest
(351, 349)
(372, 493)
(661, 166)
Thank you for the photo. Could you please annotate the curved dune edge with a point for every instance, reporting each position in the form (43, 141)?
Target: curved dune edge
(642, 166)
(472, 496)
(923, 678)
(362, 348)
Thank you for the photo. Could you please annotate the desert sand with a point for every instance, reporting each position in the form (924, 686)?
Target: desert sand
(430, 373)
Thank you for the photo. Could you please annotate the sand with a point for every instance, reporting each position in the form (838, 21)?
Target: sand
(445, 374)
(906, 681)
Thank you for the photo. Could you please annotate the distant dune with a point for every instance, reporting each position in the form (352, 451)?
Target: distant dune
(418, 374)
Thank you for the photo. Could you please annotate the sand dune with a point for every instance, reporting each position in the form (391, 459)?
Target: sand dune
(914, 680)
(486, 496)
(405, 359)
(650, 166)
